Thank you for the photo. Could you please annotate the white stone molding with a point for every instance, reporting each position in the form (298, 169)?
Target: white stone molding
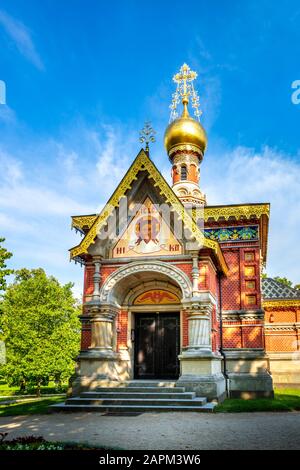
(167, 269)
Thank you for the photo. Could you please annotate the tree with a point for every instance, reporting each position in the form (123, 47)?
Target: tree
(284, 281)
(4, 272)
(41, 329)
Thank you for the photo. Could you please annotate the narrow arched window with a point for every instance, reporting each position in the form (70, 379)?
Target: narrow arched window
(183, 172)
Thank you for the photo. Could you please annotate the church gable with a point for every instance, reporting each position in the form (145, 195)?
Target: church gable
(148, 234)
(142, 177)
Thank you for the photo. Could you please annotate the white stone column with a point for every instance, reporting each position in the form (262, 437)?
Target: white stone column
(195, 274)
(199, 327)
(199, 331)
(102, 319)
(96, 278)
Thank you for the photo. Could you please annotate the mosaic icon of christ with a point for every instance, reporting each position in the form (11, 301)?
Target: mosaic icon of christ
(147, 235)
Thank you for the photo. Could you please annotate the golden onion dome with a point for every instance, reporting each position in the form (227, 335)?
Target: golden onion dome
(185, 131)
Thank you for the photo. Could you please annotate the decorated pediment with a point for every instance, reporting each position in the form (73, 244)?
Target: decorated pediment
(142, 165)
(148, 234)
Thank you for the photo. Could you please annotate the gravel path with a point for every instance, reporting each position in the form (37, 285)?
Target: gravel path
(163, 431)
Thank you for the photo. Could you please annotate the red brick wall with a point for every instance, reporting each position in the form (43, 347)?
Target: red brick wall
(231, 292)
(241, 288)
(278, 339)
(88, 286)
(187, 269)
(86, 336)
(185, 330)
(106, 270)
(250, 283)
(243, 333)
(215, 334)
(122, 329)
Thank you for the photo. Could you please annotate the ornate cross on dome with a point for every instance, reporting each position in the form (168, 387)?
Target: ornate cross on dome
(147, 135)
(185, 90)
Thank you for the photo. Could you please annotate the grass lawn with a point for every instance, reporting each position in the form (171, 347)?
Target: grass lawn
(7, 390)
(284, 400)
(30, 406)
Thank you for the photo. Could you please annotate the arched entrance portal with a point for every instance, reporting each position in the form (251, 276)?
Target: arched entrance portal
(149, 298)
(154, 311)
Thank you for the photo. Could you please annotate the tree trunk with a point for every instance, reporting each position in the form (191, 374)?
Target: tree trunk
(22, 385)
(38, 388)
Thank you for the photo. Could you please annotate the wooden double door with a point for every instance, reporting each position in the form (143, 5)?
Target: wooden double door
(157, 345)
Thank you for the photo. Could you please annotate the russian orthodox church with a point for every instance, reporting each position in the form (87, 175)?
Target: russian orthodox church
(173, 295)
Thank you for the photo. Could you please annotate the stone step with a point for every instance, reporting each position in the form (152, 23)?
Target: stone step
(134, 394)
(139, 389)
(199, 401)
(148, 383)
(119, 409)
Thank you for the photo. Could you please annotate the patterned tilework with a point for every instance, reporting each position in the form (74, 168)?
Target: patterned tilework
(281, 316)
(243, 336)
(284, 342)
(231, 298)
(273, 289)
(86, 336)
(232, 337)
(252, 337)
(282, 329)
(233, 234)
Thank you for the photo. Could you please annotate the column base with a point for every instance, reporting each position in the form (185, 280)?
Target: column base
(201, 373)
(248, 374)
(98, 368)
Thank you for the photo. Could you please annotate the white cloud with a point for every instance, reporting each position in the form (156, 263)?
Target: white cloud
(245, 175)
(21, 36)
(38, 199)
(77, 174)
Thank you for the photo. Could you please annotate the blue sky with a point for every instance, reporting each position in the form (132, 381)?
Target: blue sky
(81, 79)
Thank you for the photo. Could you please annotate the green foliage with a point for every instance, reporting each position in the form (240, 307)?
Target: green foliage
(41, 329)
(284, 281)
(39, 443)
(4, 272)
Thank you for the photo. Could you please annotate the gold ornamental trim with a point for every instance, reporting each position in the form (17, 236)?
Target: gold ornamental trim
(245, 211)
(143, 163)
(185, 147)
(275, 303)
(81, 221)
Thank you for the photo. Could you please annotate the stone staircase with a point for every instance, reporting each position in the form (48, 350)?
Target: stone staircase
(137, 396)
